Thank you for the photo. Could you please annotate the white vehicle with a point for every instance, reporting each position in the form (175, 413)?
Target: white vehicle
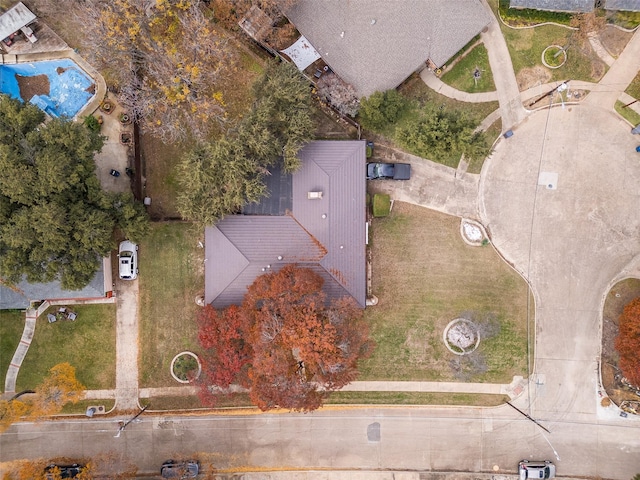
(536, 469)
(128, 260)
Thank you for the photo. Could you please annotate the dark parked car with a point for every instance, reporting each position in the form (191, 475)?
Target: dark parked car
(395, 171)
(536, 469)
(180, 469)
(65, 471)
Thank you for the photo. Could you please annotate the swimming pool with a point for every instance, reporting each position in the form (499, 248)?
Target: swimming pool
(58, 87)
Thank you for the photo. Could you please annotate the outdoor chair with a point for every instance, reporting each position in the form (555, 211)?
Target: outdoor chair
(51, 317)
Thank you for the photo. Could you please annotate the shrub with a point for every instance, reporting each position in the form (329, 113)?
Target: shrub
(381, 205)
(380, 108)
(92, 123)
(628, 342)
(526, 16)
(443, 134)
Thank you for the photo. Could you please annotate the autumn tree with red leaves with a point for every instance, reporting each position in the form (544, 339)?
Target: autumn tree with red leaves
(285, 343)
(223, 334)
(628, 342)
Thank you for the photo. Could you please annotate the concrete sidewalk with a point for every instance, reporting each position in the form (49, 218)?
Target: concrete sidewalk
(504, 77)
(619, 76)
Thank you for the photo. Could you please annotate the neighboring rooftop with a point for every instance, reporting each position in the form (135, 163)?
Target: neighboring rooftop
(555, 5)
(14, 19)
(628, 5)
(20, 297)
(375, 46)
(324, 230)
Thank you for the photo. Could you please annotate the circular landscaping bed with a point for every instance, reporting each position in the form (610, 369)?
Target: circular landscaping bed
(554, 56)
(461, 336)
(185, 367)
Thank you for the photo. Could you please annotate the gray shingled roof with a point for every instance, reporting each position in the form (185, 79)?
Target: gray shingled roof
(239, 247)
(555, 5)
(629, 5)
(25, 293)
(376, 44)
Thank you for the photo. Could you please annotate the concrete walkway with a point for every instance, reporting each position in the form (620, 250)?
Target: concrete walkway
(511, 108)
(21, 351)
(619, 76)
(127, 332)
(512, 390)
(596, 44)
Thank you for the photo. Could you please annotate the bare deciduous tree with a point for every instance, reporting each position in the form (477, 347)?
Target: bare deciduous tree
(341, 95)
(166, 60)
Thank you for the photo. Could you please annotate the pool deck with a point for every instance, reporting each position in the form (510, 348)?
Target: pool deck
(114, 154)
(101, 87)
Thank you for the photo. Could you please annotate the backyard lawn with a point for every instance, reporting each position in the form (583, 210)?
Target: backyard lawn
(171, 276)
(461, 74)
(88, 344)
(425, 276)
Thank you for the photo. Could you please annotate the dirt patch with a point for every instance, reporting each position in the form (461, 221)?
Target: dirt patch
(330, 126)
(30, 86)
(597, 69)
(614, 40)
(619, 296)
(531, 76)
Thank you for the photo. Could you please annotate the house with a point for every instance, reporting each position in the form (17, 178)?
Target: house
(314, 218)
(625, 5)
(572, 6)
(20, 296)
(374, 45)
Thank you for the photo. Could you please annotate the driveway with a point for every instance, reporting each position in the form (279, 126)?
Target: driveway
(570, 237)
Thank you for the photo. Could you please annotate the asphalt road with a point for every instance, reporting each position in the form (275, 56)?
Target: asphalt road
(446, 439)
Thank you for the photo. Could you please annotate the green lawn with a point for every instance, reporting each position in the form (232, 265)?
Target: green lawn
(461, 75)
(171, 276)
(634, 87)
(526, 47)
(88, 343)
(425, 276)
(630, 115)
(11, 327)
(415, 398)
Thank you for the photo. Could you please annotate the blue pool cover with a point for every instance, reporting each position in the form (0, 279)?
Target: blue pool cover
(69, 90)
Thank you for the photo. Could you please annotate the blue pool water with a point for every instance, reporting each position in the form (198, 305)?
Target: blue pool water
(70, 88)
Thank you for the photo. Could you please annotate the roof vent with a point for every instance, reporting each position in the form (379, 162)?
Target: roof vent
(314, 195)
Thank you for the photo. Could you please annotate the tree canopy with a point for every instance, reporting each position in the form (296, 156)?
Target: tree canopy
(285, 343)
(56, 223)
(57, 389)
(628, 342)
(380, 108)
(441, 134)
(221, 177)
(166, 60)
